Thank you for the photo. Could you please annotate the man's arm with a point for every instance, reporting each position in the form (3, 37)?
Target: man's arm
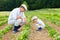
(25, 20)
(19, 17)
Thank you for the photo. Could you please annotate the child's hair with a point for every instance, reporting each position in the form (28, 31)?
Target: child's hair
(34, 17)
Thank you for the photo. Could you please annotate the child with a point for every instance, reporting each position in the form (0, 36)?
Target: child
(39, 23)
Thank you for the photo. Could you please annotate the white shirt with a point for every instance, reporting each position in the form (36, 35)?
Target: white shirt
(14, 13)
(40, 23)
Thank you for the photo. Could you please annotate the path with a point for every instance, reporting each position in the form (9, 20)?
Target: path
(39, 35)
(57, 28)
(10, 35)
(3, 26)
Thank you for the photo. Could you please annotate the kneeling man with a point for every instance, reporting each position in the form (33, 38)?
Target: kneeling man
(17, 17)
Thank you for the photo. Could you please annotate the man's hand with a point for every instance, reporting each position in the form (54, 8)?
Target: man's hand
(25, 20)
(18, 17)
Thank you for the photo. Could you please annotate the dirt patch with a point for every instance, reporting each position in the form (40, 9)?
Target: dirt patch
(11, 36)
(7, 35)
(3, 26)
(57, 28)
(39, 35)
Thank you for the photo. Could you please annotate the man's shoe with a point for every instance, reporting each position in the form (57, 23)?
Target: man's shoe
(14, 32)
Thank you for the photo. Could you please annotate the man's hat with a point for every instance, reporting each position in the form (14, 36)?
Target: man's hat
(23, 5)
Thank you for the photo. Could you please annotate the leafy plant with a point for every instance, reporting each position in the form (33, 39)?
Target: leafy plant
(5, 30)
(3, 22)
(25, 33)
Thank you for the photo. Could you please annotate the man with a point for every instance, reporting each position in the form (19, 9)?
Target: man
(39, 23)
(17, 17)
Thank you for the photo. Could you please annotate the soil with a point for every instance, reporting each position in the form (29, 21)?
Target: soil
(3, 26)
(11, 36)
(54, 26)
(39, 35)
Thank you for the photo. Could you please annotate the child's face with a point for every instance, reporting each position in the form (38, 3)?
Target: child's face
(35, 20)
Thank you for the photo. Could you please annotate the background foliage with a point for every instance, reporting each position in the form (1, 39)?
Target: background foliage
(32, 4)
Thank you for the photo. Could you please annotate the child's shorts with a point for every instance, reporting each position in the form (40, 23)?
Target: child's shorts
(39, 29)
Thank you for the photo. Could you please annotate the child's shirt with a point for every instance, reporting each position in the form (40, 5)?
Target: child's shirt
(40, 23)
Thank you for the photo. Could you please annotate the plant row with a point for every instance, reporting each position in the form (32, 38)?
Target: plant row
(4, 31)
(3, 22)
(53, 18)
(53, 33)
(24, 33)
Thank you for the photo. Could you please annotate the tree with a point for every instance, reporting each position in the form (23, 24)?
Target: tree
(9, 4)
(38, 4)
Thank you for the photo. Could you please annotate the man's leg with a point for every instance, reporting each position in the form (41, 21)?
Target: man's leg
(11, 22)
(17, 25)
(15, 28)
(21, 24)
